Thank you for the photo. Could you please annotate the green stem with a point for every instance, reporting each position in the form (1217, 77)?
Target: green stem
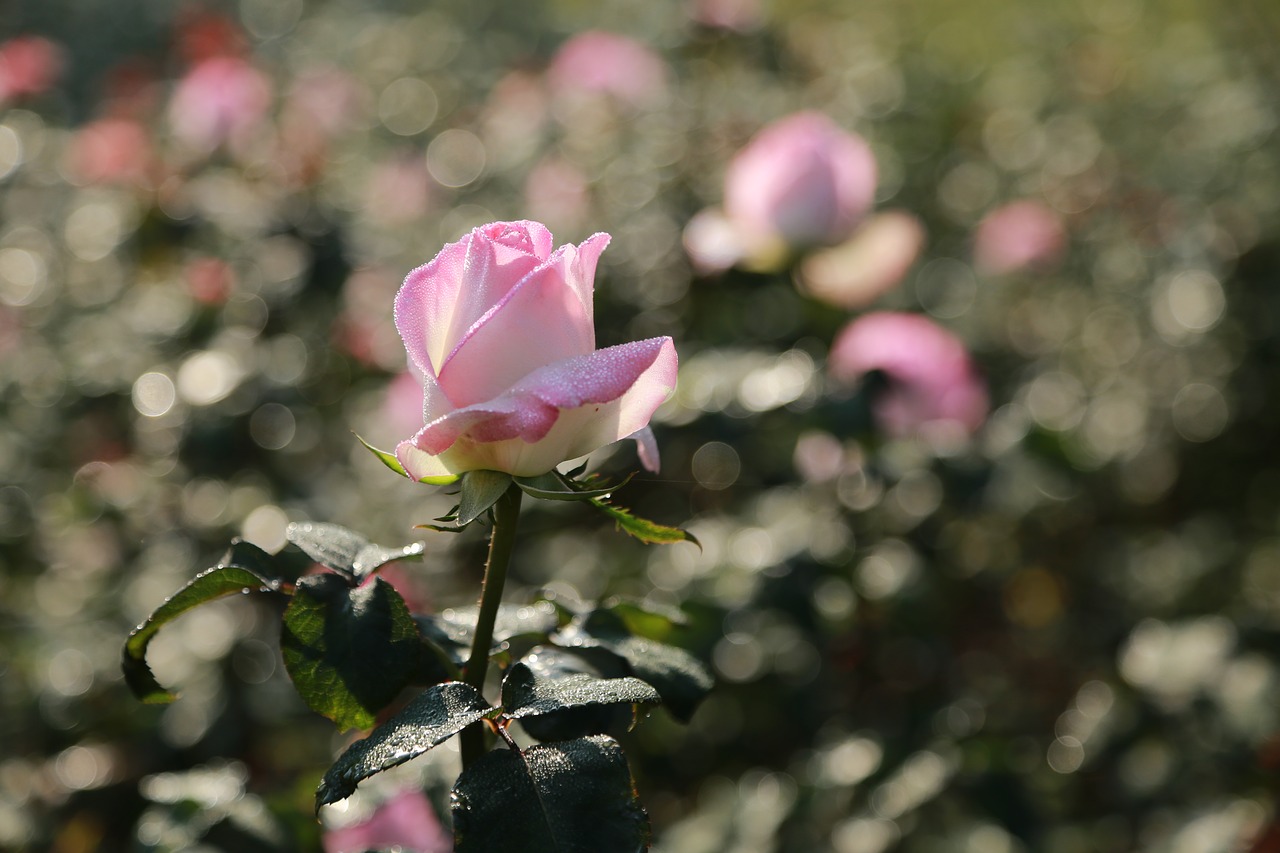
(506, 513)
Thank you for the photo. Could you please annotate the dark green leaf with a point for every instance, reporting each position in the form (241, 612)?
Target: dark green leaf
(648, 619)
(453, 629)
(678, 676)
(545, 682)
(345, 550)
(553, 486)
(649, 532)
(570, 797)
(349, 650)
(436, 715)
(206, 586)
(561, 695)
(480, 490)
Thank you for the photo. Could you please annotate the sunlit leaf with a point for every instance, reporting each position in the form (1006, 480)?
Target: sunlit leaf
(210, 584)
(571, 797)
(345, 550)
(434, 716)
(649, 532)
(349, 650)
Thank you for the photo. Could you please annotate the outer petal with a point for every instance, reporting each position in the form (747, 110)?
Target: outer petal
(542, 320)
(442, 299)
(559, 412)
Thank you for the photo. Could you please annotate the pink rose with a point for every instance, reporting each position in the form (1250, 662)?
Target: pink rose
(608, 64)
(500, 327)
(222, 99)
(1019, 235)
(29, 65)
(802, 180)
(931, 377)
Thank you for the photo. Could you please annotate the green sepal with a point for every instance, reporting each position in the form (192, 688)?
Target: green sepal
(390, 460)
(434, 716)
(349, 650)
(563, 797)
(480, 491)
(649, 532)
(216, 582)
(553, 486)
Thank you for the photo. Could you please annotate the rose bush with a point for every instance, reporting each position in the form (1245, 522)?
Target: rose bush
(499, 326)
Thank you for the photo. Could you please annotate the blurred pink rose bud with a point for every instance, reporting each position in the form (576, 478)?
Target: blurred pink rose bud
(110, 151)
(29, 65)
(931, 378)
(405, 822)
(500, 326)
(802, 180)
(597, 62)
(220, 100)
(1019, 235)
(868, 264)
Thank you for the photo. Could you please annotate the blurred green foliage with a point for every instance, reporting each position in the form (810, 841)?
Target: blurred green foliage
(1060, 635)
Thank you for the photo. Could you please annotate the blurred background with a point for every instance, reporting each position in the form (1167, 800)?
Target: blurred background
(1045, 618)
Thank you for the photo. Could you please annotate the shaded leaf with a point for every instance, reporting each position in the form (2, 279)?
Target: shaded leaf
(349, 650)
(649, 532)
(454, 629)
(679, 677)
(433, 717)
(553, 486)
(212, 583)
(534, 686)
(648, 619)
(560, 695)
(480, 491)
(346, 551)
(570, 797)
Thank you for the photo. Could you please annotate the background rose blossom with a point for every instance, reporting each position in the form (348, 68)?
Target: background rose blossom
(219, 100)
(1019, 235)
(598, 62)
(931, 377)
(803, 180)
(29, 65)
(405, 822)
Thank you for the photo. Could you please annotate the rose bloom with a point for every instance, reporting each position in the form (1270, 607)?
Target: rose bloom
(222, 99)
(1018, 235)
(500, 328)
(801, 180)
(609, 64)
(29, 65)
(931, 377)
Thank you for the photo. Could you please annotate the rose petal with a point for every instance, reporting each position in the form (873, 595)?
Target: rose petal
(558, 412)
(647, 449)
(441, 300)
(541, 321)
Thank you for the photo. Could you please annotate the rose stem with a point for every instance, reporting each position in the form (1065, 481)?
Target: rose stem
(506, 514)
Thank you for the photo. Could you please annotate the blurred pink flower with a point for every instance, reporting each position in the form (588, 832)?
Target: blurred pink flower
(406, 822)
(1019, 235)
(556, 192)
(802, 180)
(29, 65)
(931, 377)
(740, 15)
(220, 100)
(209, 280)
(868, 264)
(597, 62)
(399, 190)
(324, 100)
(111, 151)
